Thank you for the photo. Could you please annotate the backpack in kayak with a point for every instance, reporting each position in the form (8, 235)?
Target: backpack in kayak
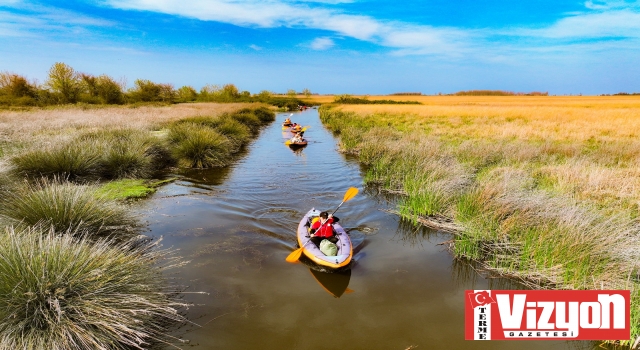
(328, 248)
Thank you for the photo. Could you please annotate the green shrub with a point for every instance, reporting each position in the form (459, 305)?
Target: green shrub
(264, 114)
(106, 154)
(246, 117)
(237, 132)
(128, 153)
(199, 146)
(202, 120)
(72, 160)
(66, 206)
(58, 292)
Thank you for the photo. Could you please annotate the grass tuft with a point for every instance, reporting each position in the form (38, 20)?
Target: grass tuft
(199, 147)
(58, 292)
(66, 206)
(106, 154)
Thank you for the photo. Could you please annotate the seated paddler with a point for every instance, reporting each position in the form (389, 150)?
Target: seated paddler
(323, 229)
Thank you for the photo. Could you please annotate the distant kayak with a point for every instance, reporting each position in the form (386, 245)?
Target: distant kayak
(311, 251)
(298, 144)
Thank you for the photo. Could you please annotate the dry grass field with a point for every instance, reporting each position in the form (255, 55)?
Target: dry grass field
(23, 126)
(594, 140)
(544, 189)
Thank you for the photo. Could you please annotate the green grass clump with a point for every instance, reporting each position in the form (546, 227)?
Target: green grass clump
(71, 160)
(66, 206)
(205, 142)
(248, 118)
(211, 122)
(106, 154)
(264, 114)
(200, 147)
(235, 131)
(58, 292)
(129, 189)
(128, 153)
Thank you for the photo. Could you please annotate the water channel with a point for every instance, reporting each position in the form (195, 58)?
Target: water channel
(236, 226)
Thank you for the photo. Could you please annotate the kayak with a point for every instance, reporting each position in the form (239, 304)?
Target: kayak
(286, 125)
(298, 144)
(311, 251)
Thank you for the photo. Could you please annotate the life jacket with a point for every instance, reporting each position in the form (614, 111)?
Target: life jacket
(325, 230)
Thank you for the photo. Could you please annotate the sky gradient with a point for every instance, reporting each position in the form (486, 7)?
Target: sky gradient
(333, 46)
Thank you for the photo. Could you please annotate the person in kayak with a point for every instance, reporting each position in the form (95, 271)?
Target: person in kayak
(296, 128)
(323, 229)
(298, 138)
(287, 121)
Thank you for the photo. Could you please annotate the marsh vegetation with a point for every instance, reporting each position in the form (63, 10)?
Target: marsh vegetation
(64, 174)
(541, 189)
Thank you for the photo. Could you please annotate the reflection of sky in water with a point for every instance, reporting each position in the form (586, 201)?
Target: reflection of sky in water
(237, 225)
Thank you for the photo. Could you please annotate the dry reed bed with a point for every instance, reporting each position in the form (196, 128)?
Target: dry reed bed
(544, 189)
(37, 124)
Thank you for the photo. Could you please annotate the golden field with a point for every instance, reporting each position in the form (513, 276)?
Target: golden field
(608, 128)
(543, 189)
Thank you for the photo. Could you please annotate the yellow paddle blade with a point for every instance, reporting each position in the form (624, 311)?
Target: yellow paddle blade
(348, 291)
(305, 128)
(288, 142)
(351, 192)
(294, 256)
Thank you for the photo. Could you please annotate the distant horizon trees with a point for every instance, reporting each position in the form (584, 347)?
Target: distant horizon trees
(65, 85)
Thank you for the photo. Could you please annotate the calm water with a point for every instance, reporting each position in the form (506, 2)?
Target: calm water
(237, 225)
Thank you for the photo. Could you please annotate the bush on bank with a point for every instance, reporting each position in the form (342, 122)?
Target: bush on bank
(199, 142)
(58, 292)
(106, 154)
(204, 142)
(66, 206)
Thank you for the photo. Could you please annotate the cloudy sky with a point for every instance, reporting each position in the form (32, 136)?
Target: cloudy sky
(333, 46)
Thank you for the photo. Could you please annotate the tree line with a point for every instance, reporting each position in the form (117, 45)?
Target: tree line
(65, 85)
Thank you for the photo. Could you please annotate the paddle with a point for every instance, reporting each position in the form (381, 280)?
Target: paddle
(295, 255)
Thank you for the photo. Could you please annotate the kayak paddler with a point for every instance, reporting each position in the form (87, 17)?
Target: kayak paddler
(323, 229)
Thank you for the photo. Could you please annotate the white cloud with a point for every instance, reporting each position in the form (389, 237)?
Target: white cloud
(9, 2)
(610, 4)
(603, 19)
(619, 23)
(36, 20)
(322, 44)
(274, 13)
(255, 47)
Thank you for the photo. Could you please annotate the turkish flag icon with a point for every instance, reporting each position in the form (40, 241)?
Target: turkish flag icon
(480, 298)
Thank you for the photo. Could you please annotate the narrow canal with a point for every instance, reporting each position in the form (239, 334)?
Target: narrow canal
(237, 225)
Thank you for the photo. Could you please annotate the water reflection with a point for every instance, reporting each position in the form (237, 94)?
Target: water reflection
(336, 284)
(297, 150)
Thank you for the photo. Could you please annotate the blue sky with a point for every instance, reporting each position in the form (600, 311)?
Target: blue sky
(333, 46)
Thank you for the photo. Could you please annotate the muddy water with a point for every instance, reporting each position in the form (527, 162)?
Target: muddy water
(237, 225)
